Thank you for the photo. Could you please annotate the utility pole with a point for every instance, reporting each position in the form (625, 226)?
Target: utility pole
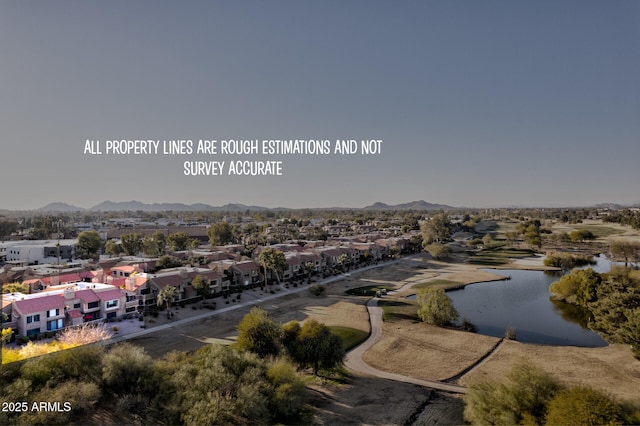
(58, 245)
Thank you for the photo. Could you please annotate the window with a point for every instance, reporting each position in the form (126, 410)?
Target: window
(53, 313)
(93, 305)
(112, 304)
(33, 318)
(76, 306)
(33, 332)
(54, 325)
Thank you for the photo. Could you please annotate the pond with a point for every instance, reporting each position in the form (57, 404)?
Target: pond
(524, 303)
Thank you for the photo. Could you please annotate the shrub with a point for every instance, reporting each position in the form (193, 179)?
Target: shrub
(521, 398)
(438, 250)
(468, 326)
(583, 405)
(567, 260)
(316, 289)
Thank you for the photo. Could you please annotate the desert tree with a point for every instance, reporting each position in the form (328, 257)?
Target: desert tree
(314, 345)
(180, 241)
(435, 307)
(627, 250)
(154, 245)
(201, 285)
(258, 333)
(131, 243)
(437, 229)
(220, 234)
(112, 248)
(89, 243)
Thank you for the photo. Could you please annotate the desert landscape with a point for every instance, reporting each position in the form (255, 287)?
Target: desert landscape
(410, 348)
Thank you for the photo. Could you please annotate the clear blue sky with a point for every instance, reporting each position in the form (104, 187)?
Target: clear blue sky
(478, 103)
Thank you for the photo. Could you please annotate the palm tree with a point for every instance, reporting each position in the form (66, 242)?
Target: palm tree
(309, 267)
(273, 259)
(343, 261)
(167, 295)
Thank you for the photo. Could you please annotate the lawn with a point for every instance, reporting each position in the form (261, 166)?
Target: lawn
(498, 256)
(350, 337)
(393, 309)
(599, 231)
(437, 283)
(369, 290)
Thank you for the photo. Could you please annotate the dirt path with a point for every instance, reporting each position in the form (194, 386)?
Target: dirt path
(477, 364)
(355, 362)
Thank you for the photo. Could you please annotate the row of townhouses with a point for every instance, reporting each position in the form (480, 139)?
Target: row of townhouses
(127, 287)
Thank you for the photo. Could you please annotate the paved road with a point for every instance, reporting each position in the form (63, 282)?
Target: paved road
(354, 360)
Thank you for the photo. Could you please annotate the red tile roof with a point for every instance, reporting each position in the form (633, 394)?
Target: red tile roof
(116, 293)
(246, 266)
(62, 279)
(40, 304)
(74, 314)
(162, 282)
(87, 296)
(118, 282)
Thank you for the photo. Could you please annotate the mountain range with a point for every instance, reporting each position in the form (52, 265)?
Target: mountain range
(236, 207)
(233, 207)
(413, 205)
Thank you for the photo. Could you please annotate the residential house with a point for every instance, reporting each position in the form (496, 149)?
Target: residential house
(244, 273)
(67, 305)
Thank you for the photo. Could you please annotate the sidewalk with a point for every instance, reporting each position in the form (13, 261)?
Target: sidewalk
(249, 298)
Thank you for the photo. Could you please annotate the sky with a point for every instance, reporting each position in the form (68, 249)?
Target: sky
(477, 104)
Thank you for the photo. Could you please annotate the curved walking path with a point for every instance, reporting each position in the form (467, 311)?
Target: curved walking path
(353, 360)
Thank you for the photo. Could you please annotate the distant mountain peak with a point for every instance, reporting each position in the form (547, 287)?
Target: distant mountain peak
(413, 205)
(60, 207)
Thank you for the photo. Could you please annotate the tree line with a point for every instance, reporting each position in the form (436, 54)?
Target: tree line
(611, 301)
(259, 380)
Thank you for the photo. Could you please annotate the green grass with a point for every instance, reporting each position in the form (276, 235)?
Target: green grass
(598, 231)
(439, 283)
(368, 290)
(497, 256)
(398, 310)
(350, 337)
(488, 261)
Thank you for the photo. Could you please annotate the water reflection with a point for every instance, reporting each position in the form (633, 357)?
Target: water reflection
(572, 313)
(523, 303)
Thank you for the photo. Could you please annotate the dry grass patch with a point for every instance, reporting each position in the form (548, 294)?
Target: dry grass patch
(611, 369)
(426, 352)
(342, 314)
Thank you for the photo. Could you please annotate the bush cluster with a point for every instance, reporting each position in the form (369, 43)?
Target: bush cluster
(528, 395)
